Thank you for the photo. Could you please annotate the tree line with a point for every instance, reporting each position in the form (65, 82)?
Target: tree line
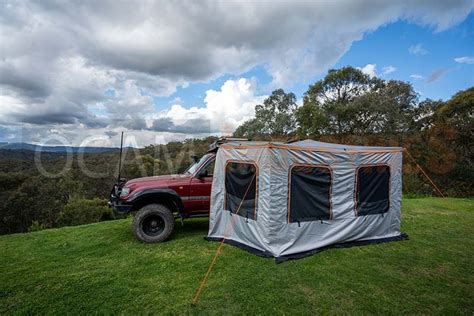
(32, 200)
(350, 107)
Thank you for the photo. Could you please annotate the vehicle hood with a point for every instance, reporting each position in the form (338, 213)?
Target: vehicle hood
(156, 181)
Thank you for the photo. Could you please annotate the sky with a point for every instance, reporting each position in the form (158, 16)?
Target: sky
(79, 73)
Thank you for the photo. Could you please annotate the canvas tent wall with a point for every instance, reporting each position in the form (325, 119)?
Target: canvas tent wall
(289, 200)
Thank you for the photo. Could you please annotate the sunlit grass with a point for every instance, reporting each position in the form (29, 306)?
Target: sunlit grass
(101, 268)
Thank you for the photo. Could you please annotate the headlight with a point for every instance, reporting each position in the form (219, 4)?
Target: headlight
(124, 192)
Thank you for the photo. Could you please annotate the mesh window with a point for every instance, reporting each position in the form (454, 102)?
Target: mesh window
(241, 189)
(309, 194)
(372, 190)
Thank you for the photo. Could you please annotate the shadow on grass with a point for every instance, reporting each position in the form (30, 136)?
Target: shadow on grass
(191, 228)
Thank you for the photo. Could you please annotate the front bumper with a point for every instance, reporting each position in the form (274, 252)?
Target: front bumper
(116, 204)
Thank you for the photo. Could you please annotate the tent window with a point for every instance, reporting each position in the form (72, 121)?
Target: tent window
(241, 189)
(372, 190)
(309, 193)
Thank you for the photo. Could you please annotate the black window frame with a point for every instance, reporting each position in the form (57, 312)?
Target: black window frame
(211, 160)
(356, 189)
(255, 208)
(331, 181)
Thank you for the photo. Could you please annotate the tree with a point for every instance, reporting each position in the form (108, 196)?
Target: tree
(329, 101)
(349, 102)
(312, 121)
(423, 116)
(386, 110)
(458, 113)
(341, 86)
(249, 129)
(274, 117)
(38, 199)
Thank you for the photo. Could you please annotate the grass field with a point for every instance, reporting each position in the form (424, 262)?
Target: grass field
(100, 268)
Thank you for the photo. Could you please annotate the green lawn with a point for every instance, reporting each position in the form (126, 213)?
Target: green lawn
(100, 268)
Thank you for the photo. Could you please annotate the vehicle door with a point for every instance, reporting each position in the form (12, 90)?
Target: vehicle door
(200, 188)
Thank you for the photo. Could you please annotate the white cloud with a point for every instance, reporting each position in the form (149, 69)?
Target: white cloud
(464, 60)
(369, 69)
(388, 70)
(58, 59)
(235, 102)
(416, 77)
(224, 109)
(417, 49)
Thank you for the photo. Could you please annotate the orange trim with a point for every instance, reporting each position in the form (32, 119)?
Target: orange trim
(289, 187)
(356, 189)
(317, 149)
(246, 162)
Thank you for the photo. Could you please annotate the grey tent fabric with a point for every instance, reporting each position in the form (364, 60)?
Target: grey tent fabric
(305, 196)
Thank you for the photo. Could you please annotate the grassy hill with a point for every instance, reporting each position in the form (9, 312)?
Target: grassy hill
(100, 268)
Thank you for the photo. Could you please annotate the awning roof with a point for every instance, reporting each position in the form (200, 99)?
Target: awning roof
(310, 145)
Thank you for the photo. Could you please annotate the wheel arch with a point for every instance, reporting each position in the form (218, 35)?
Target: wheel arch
(166, 197)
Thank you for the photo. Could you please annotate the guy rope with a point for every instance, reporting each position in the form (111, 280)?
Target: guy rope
(424, 173)
(219, 249)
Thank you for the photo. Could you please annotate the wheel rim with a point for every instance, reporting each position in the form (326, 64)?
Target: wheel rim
(153, 225)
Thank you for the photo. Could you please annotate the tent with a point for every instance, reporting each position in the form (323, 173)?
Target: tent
(289, 200)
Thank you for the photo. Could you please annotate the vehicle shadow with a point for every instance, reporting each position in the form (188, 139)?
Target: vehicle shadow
(191, 228)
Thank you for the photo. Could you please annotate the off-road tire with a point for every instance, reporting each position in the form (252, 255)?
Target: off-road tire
(153, 223)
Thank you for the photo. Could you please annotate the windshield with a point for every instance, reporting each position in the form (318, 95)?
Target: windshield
(196, 165)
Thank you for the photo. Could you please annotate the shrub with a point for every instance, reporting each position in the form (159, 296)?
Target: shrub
(414, 186)
(36, 199)
(80, 211)
(36, 226)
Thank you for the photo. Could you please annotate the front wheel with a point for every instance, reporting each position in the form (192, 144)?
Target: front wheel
(153, 223)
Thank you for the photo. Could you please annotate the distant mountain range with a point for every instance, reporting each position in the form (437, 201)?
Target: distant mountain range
(56, 149)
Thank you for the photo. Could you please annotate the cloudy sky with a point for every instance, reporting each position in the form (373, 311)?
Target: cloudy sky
(79, 72)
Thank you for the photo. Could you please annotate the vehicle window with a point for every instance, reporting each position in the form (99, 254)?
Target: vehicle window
(372, 190)
(241, 189)
(309, 193)
(210, 169)
(197, 165)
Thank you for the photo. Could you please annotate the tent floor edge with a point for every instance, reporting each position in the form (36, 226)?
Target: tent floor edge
(357, 243)
(255, 251)
(304, 254)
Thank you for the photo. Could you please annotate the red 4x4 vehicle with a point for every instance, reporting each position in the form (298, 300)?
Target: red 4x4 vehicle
(157, 201)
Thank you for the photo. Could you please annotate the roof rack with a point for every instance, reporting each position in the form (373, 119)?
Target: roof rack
(222, 140)
(294, 140)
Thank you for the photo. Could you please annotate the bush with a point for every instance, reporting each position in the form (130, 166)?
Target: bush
(36, 199)
(80, 211)
(414, 186)
(36, 226)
